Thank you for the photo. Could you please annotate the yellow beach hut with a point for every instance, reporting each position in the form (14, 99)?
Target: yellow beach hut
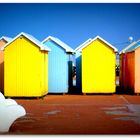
(3, 41)
(98, 60)
(25, 67)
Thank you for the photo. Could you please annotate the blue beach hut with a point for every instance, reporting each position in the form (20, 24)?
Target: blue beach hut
(60, 65)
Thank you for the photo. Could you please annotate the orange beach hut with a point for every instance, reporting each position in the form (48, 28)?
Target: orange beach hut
(3, 41)
(130, 68)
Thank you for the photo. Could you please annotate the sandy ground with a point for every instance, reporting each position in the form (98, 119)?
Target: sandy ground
(79, 114)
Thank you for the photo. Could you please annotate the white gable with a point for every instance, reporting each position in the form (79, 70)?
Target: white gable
(60, 43)
(31, 38)
(89, 41)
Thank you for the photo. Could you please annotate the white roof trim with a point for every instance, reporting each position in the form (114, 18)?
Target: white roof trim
(7, 39)
(86, 43)
(60, 43)
(31, 38)
(137, 46)
(79, 47)
(129, 46)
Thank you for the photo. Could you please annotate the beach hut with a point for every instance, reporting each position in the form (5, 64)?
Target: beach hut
(60, 65)
(130, 68)
(25, 67)
(3, 41)
(123, 76)
(97, 66)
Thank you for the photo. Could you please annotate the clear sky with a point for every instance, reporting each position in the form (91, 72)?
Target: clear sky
(72, 23)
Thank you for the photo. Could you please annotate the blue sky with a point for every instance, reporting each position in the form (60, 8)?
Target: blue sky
(72, 23)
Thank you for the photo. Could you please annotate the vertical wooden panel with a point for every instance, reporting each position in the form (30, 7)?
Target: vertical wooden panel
(26, 64)
(124, 72)
(70, 80)
(137, 70)
(130, 71)
(58, 69)
(78, 72)
(121, 71)
(2, 43)
(46, 72)
(98, 68)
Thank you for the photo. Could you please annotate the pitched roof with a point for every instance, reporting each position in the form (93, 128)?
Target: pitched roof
(59, 42)
(134, 46)
(7, 39)
(31, 38)
(128, 47)
(131, 47)
(86, 43)
(137, 45)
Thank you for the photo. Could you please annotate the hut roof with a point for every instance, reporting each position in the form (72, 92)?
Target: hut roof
(7, 39)
(127, 48)
(31, 38)
(90, 40)
(134, 46)
(60, 43)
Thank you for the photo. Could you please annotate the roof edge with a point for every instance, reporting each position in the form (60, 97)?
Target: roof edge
(8, 39)
(41, 46)
(79, 47)
(127, 47)
(53, 39)
(86, 43)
